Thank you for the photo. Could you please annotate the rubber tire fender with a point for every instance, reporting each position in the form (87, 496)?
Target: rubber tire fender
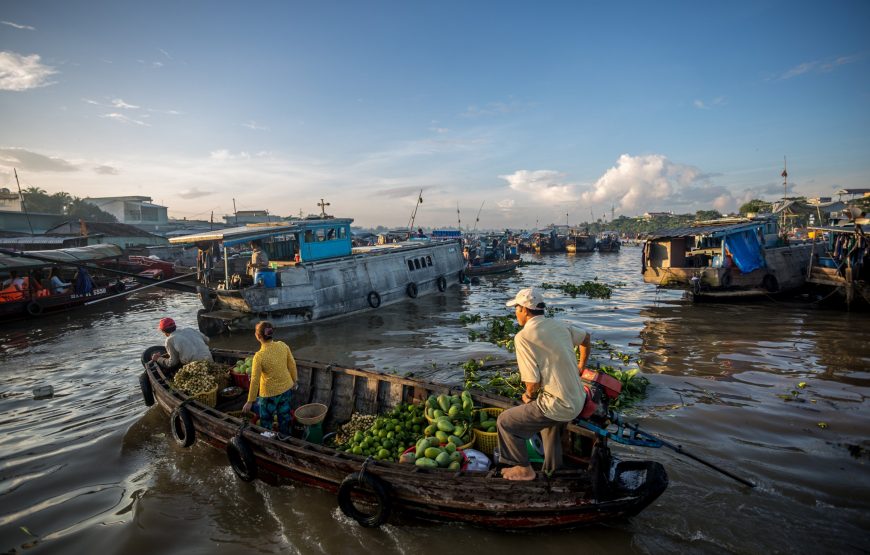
(384, 503)
(207, 326)
(241, 458)
(725, 280)
(442, 284)
(181, 425)
(146, 354)
(770, 284)
(411, 290)
(34, 308)
(374, 299)
(145, 386)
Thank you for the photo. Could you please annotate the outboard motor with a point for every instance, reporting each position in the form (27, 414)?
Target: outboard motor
(601, 389)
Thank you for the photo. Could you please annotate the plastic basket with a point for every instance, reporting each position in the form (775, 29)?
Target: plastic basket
(208, 398)
(485, 442)
(241, 380)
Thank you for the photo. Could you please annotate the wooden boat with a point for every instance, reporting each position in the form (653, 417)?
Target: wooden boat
(35, 299)
(579, 240)
(608, 242)
(489, 268)
(740, 258)
(840, 266)
(596, 487)
(315, 273)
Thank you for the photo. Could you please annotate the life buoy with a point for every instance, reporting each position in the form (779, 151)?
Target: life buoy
(181, 424)
(383, 504)
(442, 284)
(145, 386)
(769, 282)
(34, 308)
(374, 299)
(242, 458)
(411, 290)
(146, 354)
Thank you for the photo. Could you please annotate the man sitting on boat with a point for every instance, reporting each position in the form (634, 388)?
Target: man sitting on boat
(554, 392)
(58, 286)
(182, 346)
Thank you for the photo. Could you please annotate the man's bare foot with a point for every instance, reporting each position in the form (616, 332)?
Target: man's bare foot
(518, 473)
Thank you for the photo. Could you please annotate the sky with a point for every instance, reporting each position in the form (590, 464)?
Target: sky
(524, 113)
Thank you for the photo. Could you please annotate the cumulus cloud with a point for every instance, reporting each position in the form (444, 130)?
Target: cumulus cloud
(33, 161)
(18, 25)
(106, 170)
(546, 185)
(641, 183)
(506, 205)
(21, 73)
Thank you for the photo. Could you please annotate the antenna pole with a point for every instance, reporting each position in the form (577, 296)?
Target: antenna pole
(477, 219)
(235, 212)
(23, 204)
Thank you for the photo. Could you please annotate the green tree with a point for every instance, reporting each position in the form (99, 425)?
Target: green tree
(703, 215)
(756, 206)
(38, 200)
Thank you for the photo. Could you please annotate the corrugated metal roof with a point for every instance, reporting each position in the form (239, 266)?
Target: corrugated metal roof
(692, 231)
(69, 256)
(251, 232)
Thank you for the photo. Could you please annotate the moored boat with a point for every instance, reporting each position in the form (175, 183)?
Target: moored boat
(738, 259)
(489, 268)
(580, 241)
(608, 242)
(314, 273)
(595, 487)
(840, 265)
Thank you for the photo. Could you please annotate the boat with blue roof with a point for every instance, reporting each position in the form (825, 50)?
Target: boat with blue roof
(313, 273)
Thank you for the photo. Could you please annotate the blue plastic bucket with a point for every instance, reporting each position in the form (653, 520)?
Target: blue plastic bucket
(266, 276)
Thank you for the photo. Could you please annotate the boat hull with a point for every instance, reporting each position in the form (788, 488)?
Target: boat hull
(491, 268)
(570, 497)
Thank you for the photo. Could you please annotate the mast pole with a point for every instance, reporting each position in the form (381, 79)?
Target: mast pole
(23, 204)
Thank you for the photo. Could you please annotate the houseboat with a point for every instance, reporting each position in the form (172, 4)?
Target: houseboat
(314, 273)
(726, 259)
(840, 264)
(580, 241)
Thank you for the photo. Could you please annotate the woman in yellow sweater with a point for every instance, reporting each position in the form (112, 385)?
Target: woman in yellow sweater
(273, 375)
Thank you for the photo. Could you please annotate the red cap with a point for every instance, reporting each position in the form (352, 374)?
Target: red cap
(166, 324)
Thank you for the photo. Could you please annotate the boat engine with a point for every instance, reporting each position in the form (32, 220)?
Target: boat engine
(600, 389)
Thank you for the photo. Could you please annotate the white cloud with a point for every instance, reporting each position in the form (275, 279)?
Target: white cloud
(106, 170)
(121, 118)
(701, 105)
(253, 125)
(544, 185)
(641, 183)
(224, 154)
(18, 25)
(119, 103)
(20, 73)
(165, 53)
(818, 66)
(506, 205)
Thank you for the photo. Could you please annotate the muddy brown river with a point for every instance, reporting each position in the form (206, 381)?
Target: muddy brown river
(92, 470)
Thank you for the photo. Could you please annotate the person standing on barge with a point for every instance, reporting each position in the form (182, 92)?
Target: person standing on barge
(273, 376)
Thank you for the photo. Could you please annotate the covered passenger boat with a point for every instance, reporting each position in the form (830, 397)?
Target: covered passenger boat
(74, 266)
(608, 242)
(314, 273)
(580, 241)
(595, 486)
(726, 259)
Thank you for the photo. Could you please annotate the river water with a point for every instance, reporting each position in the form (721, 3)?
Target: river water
(92, 469)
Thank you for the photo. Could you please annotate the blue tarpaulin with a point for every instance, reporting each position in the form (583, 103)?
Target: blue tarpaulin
(745, 250)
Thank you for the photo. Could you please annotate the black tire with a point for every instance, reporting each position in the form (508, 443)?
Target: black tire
(383, 503)
(34, 308)
(411, 290)
(442, 284)
(145, 386)
(769, 282)
(146, 355)
(181, 424)
(725, 280)
(374, 299)
(208, 326)
(242, 458)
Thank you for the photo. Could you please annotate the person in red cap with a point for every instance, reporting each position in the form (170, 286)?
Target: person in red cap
(182, 346)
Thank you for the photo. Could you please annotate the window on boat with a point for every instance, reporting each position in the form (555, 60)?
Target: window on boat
(417, 263)
(342, 233)
(411, 265)
(309, 236)
(321, 234)
(428, 260)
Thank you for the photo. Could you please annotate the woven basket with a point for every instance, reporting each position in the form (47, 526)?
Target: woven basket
(207, 398)
(485, 442)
